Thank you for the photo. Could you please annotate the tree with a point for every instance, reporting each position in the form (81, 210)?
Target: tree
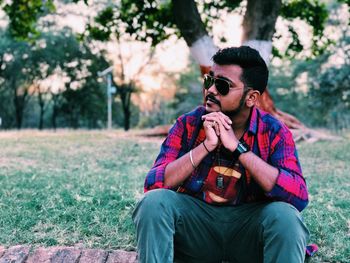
(82, 98)
(155, 20)
(258, 26)
(329, 82)
(16, 74)
(27, 70)
(105, 27)
(24, 15)
(318, 88)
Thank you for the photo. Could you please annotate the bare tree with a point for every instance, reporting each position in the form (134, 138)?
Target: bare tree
(126, 86)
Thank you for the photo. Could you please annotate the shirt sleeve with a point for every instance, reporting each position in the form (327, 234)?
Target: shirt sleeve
(290, 186)
(169, 152)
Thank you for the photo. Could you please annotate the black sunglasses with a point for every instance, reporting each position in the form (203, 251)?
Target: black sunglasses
(222, 85)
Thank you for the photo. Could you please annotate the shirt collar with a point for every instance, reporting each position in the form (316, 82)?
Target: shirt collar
(253, 122)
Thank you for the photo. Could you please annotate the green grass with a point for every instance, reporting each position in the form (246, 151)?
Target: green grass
(326, 166)
(71, 187)
(81, 186)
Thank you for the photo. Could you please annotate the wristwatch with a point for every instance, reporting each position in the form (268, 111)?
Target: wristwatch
(242, 147)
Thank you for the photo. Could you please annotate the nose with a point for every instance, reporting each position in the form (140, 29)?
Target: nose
(212, 89)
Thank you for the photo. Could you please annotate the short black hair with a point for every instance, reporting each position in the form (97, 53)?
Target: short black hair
(255, 73)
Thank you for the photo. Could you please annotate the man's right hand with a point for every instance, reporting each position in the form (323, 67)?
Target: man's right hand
(212, 135)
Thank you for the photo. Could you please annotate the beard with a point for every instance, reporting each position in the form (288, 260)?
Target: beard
(235, 112)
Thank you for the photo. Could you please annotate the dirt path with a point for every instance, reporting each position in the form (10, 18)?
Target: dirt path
(27, 254)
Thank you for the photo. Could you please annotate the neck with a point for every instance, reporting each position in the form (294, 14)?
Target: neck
(240, 121)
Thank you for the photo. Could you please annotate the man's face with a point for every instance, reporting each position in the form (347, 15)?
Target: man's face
(231, 103)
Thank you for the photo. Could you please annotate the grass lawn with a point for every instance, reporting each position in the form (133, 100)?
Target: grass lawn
(74, 187)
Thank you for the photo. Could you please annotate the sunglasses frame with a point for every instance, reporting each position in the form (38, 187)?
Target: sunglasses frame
(213, 80)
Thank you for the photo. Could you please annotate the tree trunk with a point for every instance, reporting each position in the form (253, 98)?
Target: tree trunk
(260, 19)
(126, 120)
(54, 111)
(41, 106)
(193, 30)
(125, 96)
(188, 20)
(19, 102)
(19, 111)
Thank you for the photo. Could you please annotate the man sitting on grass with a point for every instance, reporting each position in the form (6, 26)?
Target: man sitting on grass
(227, 184)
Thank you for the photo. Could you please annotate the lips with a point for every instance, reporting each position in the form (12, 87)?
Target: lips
(212, 99)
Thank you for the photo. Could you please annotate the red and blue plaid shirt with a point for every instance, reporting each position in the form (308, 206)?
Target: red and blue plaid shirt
(267, 137)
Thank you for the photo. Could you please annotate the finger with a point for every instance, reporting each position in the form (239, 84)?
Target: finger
(218, 118)
(216, 126)
(211, 118)
(225, 117)
(221, 126)
(208, 124)
(209, 114)
(224, 122)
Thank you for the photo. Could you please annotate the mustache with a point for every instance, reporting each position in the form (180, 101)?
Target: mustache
(212, 98)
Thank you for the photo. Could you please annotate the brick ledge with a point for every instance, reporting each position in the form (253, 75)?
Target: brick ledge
(27, 254)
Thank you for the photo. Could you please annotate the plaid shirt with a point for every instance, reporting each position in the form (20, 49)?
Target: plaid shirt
(267, 137)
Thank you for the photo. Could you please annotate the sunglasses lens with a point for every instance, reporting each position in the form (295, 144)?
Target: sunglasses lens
(222, 86)
(208, 81)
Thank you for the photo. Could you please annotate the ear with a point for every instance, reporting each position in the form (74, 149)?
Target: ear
(252, 98)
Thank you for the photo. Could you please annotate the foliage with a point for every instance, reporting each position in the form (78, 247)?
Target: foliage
(72, 186)
(161, 114)
(147, 20)
(24, 66)
(18, 67)
(315, 14)
(317, 89)
(83, 106)
(6, 109)
(107, 25)
(331, 97)
(285, 88)
(188, 96)
(152, 20)
(189, 91)
(72, 61)
(321, 99)
(24, 15)
(142, 20)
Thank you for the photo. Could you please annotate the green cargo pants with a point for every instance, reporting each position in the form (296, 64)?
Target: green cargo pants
(173, 226)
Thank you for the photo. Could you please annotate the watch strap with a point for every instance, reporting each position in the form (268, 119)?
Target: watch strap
(242, 147)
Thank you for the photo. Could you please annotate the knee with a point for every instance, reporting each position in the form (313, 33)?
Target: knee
(153, 204)
(156, 199)
(283, 221)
